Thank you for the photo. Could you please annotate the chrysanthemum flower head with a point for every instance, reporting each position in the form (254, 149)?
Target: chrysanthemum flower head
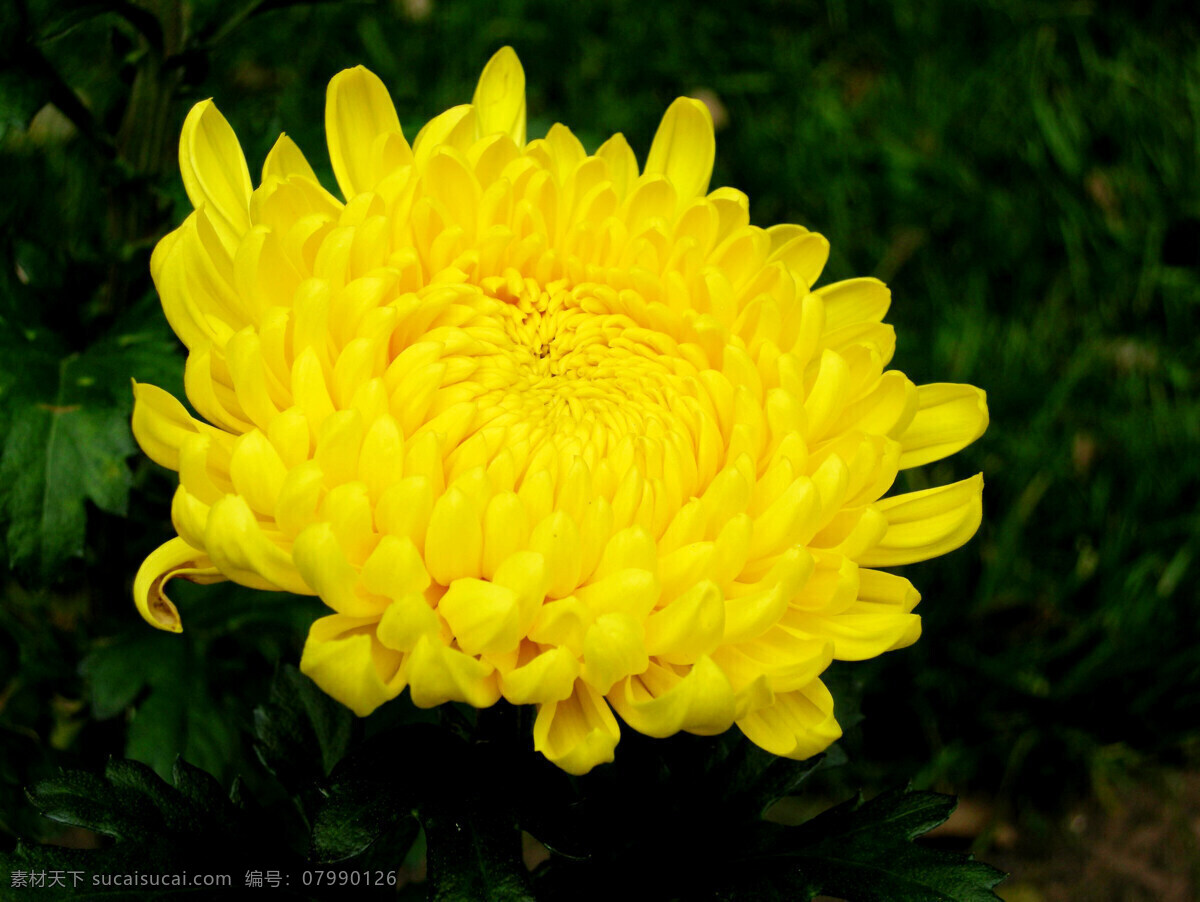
(541, 425)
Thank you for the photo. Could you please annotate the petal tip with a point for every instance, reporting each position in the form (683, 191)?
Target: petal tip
(175, 558)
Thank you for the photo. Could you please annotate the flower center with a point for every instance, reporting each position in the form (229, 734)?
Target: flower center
(565, 372)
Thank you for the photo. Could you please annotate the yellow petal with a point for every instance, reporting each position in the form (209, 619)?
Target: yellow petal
(797, 725)
(804, 255)
(171, 559)
(564, 622)
(485, 617)
(660, 704)
(684, 147)
(926, 524)
(557, 539)
(887, 588)
(630, 591)
(404, 509)
(454, 542)
(285, 159)
(438, 674)
(324, 566)
(859, 632)
(214, 172)
(257, 471)
(614, 647)
(690, 626)
(358, 113)
(632, 547)
(500, 96)
(505, 530)
(406, 621)
(622, 164)
(456, 127)
(578, 733)
(160, 424)
(349, 664)
(949, 417)
(749, 615)
(243, 552)
(381, 461)
(395, 569)
(789, 520)
(862, 300)
(526, 574)
(548, 677)
(339, 443)
(786, 661)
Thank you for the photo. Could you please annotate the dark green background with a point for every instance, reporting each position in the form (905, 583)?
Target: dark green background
(1023, 175)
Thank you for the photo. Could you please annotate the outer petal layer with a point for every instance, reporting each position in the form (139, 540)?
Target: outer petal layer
(578, 733)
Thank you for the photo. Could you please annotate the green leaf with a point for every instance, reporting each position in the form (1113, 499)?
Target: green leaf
(354, 817)
(864, 852)
(117, 672)
(157, 829)
(181, 717)
(475, 854)
(58, 455)
(302, 732)
(375, 790)
(166, 680)
(66, 439)
(52, 20)
(20, 98)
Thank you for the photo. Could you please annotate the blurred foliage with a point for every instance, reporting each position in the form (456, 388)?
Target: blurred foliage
(1023, 174)
(361, 803)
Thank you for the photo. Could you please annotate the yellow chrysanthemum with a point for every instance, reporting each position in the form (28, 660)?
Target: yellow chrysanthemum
(540, 426)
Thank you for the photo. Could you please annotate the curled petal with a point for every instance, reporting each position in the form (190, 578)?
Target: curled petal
(614, 647)
(171, 559)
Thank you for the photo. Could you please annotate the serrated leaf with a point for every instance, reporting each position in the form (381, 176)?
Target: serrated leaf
(66, 440)
(864, 852)
(302, 732)
(353, 817)
(754, 779)
(56, 457)
(156, 828)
